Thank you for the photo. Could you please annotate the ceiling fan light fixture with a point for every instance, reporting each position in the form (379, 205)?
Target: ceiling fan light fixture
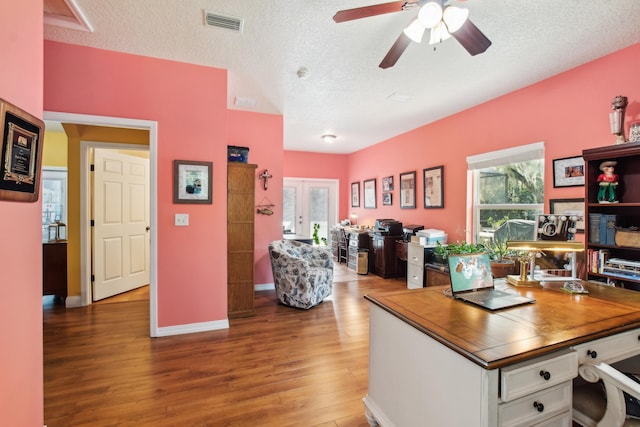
(439, 33)
(430, 14)
(415, 31)
(328, 138)
(455, 17)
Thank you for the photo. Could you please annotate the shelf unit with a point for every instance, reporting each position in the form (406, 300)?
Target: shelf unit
(626, 210)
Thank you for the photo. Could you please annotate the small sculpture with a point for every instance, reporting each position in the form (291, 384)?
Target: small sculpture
(616, 118)
(607, 182)
(265, 175)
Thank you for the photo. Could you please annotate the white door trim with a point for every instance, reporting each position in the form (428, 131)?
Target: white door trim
(85, 249)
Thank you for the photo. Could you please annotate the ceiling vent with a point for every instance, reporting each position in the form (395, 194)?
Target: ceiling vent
(226, 22)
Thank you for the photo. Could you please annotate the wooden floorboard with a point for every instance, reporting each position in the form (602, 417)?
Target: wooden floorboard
(281, 367)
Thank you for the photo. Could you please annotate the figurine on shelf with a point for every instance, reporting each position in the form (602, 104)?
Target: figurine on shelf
(607, 182)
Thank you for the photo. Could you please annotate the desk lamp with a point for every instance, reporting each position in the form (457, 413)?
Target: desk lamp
(532, 247)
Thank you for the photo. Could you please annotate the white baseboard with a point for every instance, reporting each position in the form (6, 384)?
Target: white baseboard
(73, 301)
(192, 328)
(264, 287)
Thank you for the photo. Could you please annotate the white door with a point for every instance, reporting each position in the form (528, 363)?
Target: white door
(121, 223)
(307, 202)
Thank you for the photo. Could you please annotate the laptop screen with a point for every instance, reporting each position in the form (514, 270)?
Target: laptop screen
(470, 272)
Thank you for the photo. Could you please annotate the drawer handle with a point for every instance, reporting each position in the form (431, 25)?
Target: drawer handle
(592, 353)
(416, 258)
(539, 406)
(546, 375)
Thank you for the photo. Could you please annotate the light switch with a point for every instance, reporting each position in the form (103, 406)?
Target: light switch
(182, 220)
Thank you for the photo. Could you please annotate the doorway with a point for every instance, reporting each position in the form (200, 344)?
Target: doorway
(307, 202)
(85, 204)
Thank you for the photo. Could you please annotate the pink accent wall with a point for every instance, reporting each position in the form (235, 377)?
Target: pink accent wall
(300, 164)
(569, 112)
(21, 394)
(189, 104)
(263, 134)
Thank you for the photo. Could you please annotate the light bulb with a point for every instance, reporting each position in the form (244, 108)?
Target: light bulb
(454, 17)
(430, 14)
(415, 31)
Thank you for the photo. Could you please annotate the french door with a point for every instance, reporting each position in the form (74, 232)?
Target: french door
(307, 202)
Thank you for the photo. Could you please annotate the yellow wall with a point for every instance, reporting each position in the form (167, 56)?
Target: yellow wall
(75, 134)
(54, 150)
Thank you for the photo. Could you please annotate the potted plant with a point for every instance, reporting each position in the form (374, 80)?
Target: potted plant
(316, 238)
(500, 266)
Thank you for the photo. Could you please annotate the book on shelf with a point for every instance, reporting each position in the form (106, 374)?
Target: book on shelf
(594, 228)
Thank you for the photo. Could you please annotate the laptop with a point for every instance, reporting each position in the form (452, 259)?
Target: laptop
(472, 281)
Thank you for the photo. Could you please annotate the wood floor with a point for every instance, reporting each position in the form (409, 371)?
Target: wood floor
(282, 367)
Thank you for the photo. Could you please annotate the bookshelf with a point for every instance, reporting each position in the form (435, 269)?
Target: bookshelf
(613, 248)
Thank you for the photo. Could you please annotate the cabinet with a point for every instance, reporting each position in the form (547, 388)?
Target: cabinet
(54, 270)
(625, 213)
(357, 240)
(240, 228)
(383, 252)
(415, 266)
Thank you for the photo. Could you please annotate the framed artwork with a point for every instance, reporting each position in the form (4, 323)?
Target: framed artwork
(355, 194)
(370, 194)
(387, 183)
(407, 190)
(386, 199)
(634, 132)
(434, 187)
(21, 155)
(568, 172)
(569, 207)
(192, 182)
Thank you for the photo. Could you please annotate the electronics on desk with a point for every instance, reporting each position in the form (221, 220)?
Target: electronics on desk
(410, 230)
(431, 236)
(388, 227)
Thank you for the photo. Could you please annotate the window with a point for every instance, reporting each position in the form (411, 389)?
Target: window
(506, 186)
(54, 198)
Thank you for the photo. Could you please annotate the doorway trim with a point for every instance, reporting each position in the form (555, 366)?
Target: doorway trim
(85, 262)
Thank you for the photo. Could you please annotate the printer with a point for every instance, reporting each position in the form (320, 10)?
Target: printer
(410, 230)
(388, 227)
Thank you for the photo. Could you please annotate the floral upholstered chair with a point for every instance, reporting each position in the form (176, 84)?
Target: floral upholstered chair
(302, 273)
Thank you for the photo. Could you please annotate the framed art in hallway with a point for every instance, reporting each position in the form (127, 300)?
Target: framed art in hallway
(434, 187)
(568, 172)
(21, 155)
(386, 199)
(387, 183)
(192, 182)
(355, 194)
(408, 190)
(370, 194)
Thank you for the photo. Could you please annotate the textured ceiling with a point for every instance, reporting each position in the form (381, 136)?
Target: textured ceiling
(344, 91)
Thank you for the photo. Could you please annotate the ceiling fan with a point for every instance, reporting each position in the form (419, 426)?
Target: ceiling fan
(443, 21)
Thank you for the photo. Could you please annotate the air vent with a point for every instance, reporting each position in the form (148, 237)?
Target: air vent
(226, 22)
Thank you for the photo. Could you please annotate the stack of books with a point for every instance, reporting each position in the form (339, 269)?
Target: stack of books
(622, 268)
(602, 229)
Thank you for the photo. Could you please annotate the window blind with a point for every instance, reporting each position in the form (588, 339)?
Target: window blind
(506, 156)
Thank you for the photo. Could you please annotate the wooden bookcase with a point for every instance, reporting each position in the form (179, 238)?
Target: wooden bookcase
(626, 211)
(241, 181)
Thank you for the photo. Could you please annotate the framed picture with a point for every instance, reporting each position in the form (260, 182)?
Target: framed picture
(407, 190)
(192, 182)
(434, 187)
(568, 172)
(21, 156)
(355, 194)
(634, 132)
(569, 207)
(370, 194)
(387, 183)
(386, 199)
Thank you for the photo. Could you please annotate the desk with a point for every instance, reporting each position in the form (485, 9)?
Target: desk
(438, 361)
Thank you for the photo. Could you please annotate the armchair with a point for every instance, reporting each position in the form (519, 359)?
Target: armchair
(602, 403)
(302, 273)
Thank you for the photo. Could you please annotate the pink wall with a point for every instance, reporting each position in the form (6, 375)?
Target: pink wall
(300, 164)
(262, 133)
(569, 112)
(21, 393)
(192, 125)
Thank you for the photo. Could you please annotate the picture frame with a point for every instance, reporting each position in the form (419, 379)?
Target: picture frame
(21, 155)
(369, 193)
(192, 182)
(408, 190)
(434, 187)
(568, 172)
(387, 199)
(569, 207)
(387, 183)
(634, 131)
(355, 194)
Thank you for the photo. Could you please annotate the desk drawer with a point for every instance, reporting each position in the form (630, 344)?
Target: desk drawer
(415, 254)
(528, 377)
(415, 276)
(527, 411)
(610, 349)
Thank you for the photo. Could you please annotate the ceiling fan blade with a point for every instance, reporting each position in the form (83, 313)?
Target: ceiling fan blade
(396, 51)
(471, 38)
(377, 9)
